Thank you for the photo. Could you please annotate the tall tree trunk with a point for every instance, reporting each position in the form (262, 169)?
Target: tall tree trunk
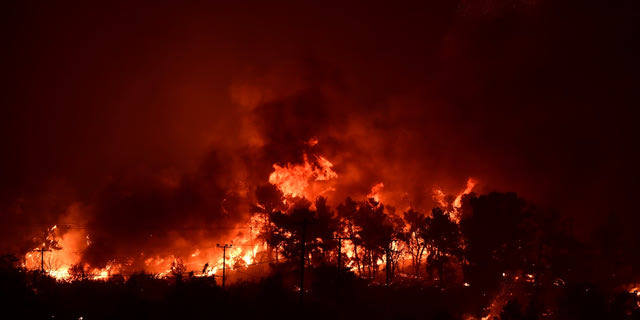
(419, 261)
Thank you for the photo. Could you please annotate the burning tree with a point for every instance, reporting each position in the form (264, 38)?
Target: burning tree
(269, 203)
(322, 233)
(78, 271)
(321, 226)
(377, 229)
(347, 212)
(178, 269)
(414, 237)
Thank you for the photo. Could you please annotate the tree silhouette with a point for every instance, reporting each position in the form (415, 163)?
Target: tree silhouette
(495, 237)
(322, 226)
(274, 232)
(322, 233)
(414, 237)
(78, 272)
(347, 213)
(377, 229)
(178, 269)
(611, 249)
(268, 203)
(443, 239)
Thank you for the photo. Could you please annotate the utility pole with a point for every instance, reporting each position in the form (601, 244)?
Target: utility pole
(224, 259)
(42, 250)
(303, 242)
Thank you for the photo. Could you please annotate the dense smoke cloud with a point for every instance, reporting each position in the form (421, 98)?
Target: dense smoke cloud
(160, 120)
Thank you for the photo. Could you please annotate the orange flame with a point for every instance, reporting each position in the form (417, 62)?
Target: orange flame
(294, 180)
(453, 207)
(375, 192)
(59, 259)
(63, 262)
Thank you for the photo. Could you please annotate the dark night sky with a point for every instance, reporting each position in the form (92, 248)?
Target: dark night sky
(536, 97)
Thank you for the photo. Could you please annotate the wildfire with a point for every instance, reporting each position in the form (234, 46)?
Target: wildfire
(295, 180)
(471, 183)
(440, 197)
(60, 258)
(375, 192)
(58, 252)
(453, 207)
(62, 248)
(208, 261)
(635, 289)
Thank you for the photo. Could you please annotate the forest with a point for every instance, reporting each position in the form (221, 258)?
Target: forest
(495, 257)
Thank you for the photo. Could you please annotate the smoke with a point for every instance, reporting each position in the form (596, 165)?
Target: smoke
(162, 121)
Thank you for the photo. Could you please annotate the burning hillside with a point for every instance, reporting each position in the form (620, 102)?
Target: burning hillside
(66, 251)
(471, 158)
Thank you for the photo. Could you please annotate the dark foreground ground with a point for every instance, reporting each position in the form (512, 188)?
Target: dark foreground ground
(329, 295)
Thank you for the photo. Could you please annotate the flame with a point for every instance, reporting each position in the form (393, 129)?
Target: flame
(294, 180)
(312, 142)
(204, 259)
(471, 183)
(440, 197)
(497, 304)
(375, 192)
(63, 261)
(209, 261)
(635, 289)
(59, 252)
(453, 208)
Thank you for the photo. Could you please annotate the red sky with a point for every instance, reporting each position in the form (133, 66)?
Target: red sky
(533, 97)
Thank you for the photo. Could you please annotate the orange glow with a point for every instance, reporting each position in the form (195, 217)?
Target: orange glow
(440, 197)
(65, 253)
(375, 192)
(453, 207)
(471, 183)
(312, 142)
(635, 289)
(297, 180)
(63, 262)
